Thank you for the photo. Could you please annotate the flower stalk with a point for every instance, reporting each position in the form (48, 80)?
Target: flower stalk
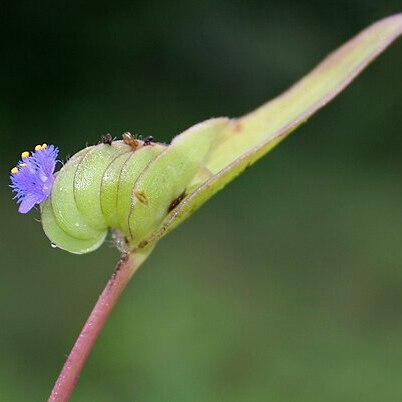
(67, 380)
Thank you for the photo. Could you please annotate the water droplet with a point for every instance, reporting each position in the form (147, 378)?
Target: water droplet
(53, 245)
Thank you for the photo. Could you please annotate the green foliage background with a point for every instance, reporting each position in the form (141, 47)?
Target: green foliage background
(287, 286)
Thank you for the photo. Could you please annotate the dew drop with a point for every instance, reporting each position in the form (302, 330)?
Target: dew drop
(52, 245)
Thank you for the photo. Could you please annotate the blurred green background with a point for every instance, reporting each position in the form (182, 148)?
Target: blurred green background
(286, 286)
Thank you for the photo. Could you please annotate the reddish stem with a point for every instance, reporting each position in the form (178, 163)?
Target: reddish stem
(68, 377)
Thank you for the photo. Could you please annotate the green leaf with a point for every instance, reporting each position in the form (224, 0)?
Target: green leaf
(238, 143)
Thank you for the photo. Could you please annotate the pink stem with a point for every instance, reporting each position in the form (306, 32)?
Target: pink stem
(68, 377)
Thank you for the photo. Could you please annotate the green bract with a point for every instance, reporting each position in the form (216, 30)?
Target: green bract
(143, 192)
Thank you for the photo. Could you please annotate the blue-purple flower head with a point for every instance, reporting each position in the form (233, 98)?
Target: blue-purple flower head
(32, 179)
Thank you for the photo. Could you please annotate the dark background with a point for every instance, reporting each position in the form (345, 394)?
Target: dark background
(286, 286)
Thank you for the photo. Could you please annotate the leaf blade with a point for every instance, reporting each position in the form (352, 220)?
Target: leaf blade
(245, 140)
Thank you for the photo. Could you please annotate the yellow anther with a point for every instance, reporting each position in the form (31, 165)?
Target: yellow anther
(25, 154)
(38, 147)
(23, 164)
(44, 146)
(14, 170)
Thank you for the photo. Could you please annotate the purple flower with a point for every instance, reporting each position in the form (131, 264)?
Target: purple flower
(32, 179)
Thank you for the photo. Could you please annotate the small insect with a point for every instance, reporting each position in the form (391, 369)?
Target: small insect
(107, 139)
(148, 140)
(131, 140)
